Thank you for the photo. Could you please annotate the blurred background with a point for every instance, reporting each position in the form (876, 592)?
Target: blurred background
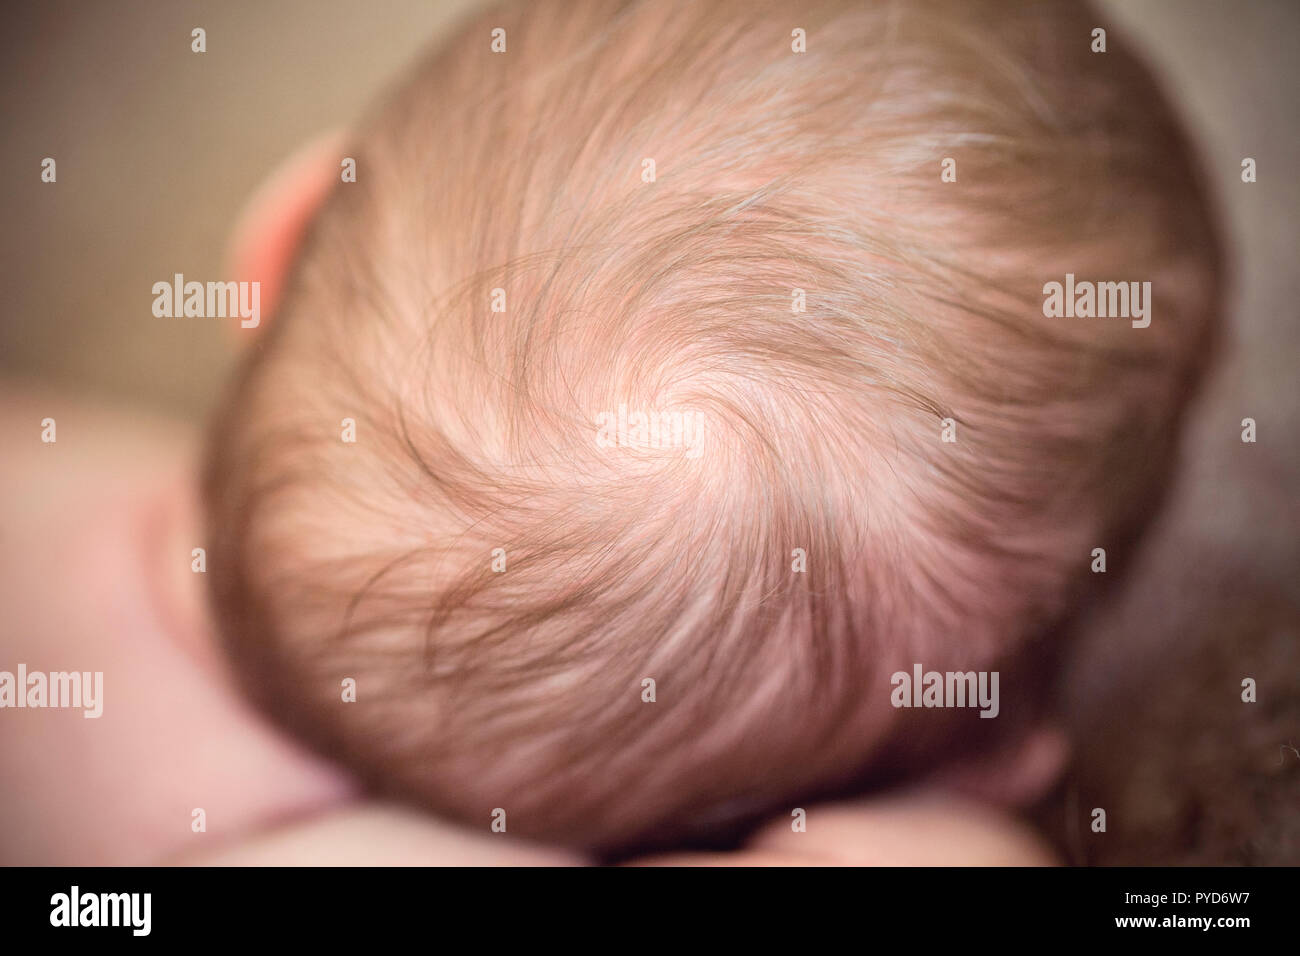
(158, 148)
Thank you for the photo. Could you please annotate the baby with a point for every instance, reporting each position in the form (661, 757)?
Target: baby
(675, 379)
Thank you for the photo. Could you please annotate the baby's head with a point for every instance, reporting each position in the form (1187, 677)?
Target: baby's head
(648, 347)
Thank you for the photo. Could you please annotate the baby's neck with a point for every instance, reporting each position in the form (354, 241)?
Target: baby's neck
(175, 554)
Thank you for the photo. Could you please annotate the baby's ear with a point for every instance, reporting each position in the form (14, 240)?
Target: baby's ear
(269, 231)
(1015, 775)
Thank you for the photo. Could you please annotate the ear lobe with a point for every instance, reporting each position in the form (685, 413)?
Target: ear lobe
(269, 231)
(1016, 775)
